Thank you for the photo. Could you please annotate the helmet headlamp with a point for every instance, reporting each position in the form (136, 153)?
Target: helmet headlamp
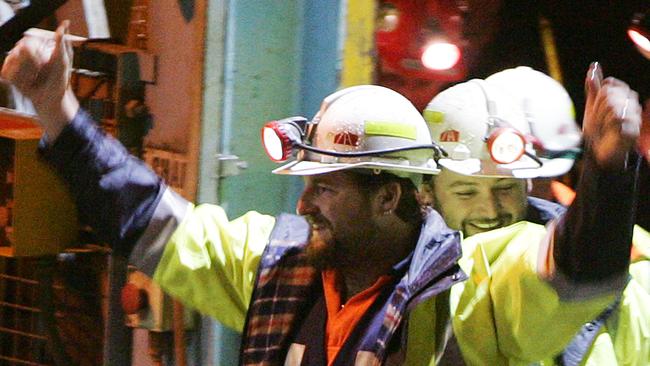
(280, 137)
(506, 145)
(360, 127)
(283, 137)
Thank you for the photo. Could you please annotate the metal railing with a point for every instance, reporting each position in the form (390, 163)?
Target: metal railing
(51, 310)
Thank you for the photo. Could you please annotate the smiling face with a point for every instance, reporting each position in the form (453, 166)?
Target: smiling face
(478, 204)
(341, 216)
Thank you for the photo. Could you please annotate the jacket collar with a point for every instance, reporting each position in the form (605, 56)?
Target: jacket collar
(437, 251)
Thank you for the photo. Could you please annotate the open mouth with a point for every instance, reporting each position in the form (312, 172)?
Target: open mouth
(316, 224)
(487, 225)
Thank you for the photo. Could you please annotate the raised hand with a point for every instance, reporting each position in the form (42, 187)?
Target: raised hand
(40, 68)
(612, 119)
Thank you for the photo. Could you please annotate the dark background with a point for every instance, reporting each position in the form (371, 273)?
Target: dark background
(585, 31)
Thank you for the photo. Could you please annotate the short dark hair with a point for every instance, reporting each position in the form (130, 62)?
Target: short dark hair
(408, 208)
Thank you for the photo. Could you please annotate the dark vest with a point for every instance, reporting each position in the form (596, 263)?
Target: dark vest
(287, 305)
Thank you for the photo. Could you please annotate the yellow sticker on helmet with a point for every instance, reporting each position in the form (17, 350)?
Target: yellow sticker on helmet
(394, 129)
(433, 116)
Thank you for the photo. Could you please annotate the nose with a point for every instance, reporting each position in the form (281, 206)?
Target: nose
(305, 205)
(490, 207)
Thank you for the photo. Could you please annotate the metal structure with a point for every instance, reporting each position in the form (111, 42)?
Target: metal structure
(45, 307)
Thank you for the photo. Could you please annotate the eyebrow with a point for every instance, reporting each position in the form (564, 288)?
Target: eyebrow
(464, 183)
(321, 180)
(460, 183)
(507, 180)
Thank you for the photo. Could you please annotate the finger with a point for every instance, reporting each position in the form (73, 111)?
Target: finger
(593, 81)
(61, 45)
(69, 52)
(619, 99)
(21, 65)
(622, 99)
(620, 127)
(631, 124)
(611, 104)
(600, 110)
(618, 85)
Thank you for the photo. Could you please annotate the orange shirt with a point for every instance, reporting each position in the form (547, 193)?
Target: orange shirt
(342, 318)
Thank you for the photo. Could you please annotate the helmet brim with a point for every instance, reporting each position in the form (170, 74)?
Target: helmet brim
(475, 167)
(306, 167)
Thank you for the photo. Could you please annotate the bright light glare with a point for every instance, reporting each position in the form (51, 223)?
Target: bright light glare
(440, 56)
(507, 147)
(390, 22)
(273, 144)
(639, 39)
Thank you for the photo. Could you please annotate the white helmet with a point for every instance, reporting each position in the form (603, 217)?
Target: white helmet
(549, 111)
(484, 132)
(367, 126)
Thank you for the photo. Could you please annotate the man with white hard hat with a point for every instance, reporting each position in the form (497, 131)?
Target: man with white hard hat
(499, 132)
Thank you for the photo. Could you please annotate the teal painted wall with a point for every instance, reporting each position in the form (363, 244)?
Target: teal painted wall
(320, 67)
(264, 60)
(282, 57)
(261, 79)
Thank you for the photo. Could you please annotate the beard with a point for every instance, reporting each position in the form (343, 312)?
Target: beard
(321, 250)
(327, 251)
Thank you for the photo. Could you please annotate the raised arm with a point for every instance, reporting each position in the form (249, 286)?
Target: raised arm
(539, 296)
(195, 253)
(40, 69)
(593, 240)
(115, 193)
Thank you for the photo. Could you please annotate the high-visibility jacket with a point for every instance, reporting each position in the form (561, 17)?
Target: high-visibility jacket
(232, 271)
(211, 264)
(539, 322)
(506, 311)
(624, 339)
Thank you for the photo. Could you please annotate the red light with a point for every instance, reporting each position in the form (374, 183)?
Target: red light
(639, 39)
(506, 145)
(276, 143)
(440, 56)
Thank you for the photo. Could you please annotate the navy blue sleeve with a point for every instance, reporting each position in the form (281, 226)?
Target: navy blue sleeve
(593, 240)
(115, 193)
(541, 211)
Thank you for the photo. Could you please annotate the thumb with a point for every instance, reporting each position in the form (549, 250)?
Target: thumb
(592, 84)
(61, 53)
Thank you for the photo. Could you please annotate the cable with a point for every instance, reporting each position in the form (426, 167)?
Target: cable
(439, 150)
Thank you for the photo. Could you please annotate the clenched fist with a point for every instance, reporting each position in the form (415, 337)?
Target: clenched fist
(40, 68)
(612, 119)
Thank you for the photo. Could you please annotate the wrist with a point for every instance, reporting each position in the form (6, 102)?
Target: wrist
(611, 159)
(54, 118)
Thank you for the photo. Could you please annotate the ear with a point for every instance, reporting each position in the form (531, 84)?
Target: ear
(387, 198)
(426, 194)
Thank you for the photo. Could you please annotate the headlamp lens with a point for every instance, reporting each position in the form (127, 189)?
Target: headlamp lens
(506, 145)
(276, 143)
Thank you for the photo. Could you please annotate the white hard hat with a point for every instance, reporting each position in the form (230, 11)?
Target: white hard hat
(360, 127)
(483, 130)
(549, 111)
(6, 12)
